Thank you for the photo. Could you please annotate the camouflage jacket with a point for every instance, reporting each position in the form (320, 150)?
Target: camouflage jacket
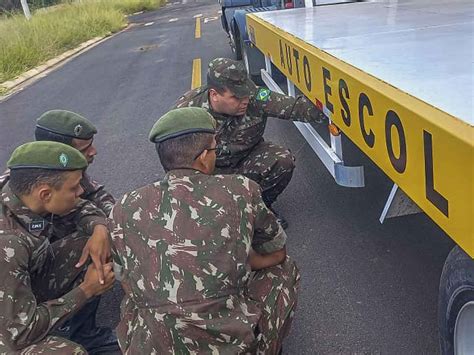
(183, 244)
(237, 135)
(24, 247)
(93, 191)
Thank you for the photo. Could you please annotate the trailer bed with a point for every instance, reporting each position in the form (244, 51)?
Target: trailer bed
(397, 78)
(422, 49)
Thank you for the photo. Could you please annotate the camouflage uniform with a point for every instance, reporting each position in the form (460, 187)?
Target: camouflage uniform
(63, 126)
(184, 244)
(38, 256)
(93, 191)
(241, 147)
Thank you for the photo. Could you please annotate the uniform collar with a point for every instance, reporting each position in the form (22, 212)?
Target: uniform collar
(182, 172)
(29, 220)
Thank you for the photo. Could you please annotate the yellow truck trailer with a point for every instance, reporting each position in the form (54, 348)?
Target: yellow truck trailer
(397, 79)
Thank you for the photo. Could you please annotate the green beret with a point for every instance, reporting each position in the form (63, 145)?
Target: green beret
(181, 121)
(46, 155)
(66, 123)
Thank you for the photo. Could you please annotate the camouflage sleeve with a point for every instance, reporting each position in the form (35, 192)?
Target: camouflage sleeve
(181, 102)
(4, 178)
(268, 236)
(273, 104)
(184, 100)
(95, 192)
(115, 226)
(191, 98)
(87, 215)
(23, 321)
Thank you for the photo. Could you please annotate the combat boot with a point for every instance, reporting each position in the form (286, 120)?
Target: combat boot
(283, 222)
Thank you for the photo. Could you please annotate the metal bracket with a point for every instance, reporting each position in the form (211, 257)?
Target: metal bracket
(398, 204)
(330, 156)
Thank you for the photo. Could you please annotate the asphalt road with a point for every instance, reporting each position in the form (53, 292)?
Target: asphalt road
(366, 288)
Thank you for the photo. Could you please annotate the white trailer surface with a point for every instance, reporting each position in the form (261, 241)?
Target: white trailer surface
(397, 78)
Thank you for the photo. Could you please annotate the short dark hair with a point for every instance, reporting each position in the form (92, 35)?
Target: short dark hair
(23, 181)
(44, 135)
(181, 152)
(219, 87)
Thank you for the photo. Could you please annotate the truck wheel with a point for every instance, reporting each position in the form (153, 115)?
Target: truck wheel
(237, 45)
(456, 304)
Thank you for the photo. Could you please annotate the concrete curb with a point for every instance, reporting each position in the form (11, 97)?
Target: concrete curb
(12, 86)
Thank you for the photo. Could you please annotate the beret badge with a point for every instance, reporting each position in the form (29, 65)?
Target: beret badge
(63, 159)
(77, 130)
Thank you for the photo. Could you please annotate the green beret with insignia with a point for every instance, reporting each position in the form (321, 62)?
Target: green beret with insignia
(46, 155)
(66, 123)
(182, 121)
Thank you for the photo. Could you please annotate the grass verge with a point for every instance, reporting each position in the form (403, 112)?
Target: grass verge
(25, 44)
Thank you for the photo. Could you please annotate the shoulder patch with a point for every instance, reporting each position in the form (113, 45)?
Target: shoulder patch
(36, 226)
(263, 94)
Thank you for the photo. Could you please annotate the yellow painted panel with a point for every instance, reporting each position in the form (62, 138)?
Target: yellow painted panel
(427, 152)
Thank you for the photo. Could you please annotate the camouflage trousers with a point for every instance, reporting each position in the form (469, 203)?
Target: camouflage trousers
(268, 164)
(54, 345)
(276, 289)
(57, 276)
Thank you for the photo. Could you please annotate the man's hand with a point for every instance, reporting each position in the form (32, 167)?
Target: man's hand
(98, 248)
(91, 286)
(262, 261)
(317, 115)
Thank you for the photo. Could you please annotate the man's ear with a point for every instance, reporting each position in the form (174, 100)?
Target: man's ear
(204, 163)
(202, 157)
(44, 193)
(207, 162)
(213, 94)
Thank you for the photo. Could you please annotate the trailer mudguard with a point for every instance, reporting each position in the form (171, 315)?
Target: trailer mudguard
(236, 3)
(239, 19)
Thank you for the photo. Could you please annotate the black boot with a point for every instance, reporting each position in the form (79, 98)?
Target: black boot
(82, 329)
(268, 202)
(283, 222)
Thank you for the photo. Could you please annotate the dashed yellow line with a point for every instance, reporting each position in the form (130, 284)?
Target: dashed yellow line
(197, 33)
(196, 75)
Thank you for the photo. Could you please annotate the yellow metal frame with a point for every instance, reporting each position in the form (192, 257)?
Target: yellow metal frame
(428, 153)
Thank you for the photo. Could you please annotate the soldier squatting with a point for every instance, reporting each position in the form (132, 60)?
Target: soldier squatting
(200, 254)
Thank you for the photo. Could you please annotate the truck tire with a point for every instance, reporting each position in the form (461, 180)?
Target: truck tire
(456, 304)
(237, 42)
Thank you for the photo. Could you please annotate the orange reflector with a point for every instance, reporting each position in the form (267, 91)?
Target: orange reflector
(333, 129)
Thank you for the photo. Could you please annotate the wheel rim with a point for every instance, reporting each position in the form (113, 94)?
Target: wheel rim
(232, 41)
(464, 330)
(246, 60)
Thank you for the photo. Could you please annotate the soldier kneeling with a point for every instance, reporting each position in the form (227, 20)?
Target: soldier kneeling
(204, 261)
(41, 287)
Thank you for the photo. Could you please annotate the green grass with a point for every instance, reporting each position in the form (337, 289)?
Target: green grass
(25, 44)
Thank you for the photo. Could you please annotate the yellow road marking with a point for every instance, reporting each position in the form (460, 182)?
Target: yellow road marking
(196, 75)
(197, 33)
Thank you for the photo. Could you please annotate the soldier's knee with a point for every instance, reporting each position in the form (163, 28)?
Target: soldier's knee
(285, 162)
